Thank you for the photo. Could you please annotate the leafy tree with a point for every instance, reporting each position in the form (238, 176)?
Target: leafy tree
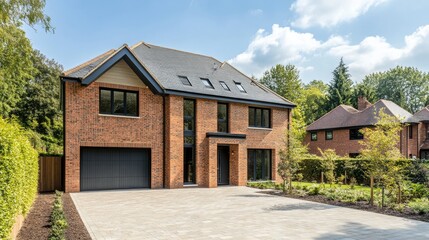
(291, 155)
(406, 86)
(328, 164)
(17, 12)
(15, 67)
(284, 80)
(313, 100)
(367, 88)
(39, 109)
(380, 148)
(340, 88)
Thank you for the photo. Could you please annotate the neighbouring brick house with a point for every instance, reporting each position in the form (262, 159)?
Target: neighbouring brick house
(151, 117)
(339, 129)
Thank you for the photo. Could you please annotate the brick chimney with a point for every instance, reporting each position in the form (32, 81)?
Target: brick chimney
(363, 103)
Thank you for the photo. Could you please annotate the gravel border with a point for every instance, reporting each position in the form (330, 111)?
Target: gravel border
(76, 228)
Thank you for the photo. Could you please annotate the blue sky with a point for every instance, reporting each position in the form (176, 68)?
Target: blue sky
(371, 35)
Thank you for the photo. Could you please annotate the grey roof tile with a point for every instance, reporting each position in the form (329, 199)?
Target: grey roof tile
(345, 116)
(165, 65)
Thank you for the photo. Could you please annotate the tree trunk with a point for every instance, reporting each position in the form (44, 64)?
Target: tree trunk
(321, 178)
(284, 186)
(290, 185)
(382, 196)
(371, 200)
(399, 194)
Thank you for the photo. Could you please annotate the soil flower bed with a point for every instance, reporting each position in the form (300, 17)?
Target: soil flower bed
(344, 196)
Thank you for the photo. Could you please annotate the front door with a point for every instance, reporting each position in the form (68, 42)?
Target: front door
(223, 165)
(189, 166)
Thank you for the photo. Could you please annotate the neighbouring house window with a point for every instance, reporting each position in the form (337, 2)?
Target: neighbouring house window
(410, 132)
(313, 136)
(259, 117)
(355, 134)
(354, 155)
(240, 87)
(207, 83)
(224, 86)
(222, 117)
(185, 80)
(329, 135)
(119, 102)
(258, 164)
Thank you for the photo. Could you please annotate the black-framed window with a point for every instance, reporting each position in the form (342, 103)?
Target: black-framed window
(313, 136)
(354, 155)
(240, 87)
(259, 117)
(410, 132)
(119, 102)
(329, 135)
(207, 82)
(185, 80)
(258, 164)
(427, 130)
(224, 86)
(222, 117)
(355, 134)
(189, 121)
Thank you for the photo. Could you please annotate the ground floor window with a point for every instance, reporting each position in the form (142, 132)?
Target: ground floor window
(424, 154)
(258, 164)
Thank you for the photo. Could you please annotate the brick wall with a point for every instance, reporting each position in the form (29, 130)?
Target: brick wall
(344, 146)
(86, 127)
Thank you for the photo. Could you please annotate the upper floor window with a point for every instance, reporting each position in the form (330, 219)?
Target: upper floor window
(240, 87)
(223, 84)
(222, 117)
(329, 135)
(189, 121)
(355, 134)
(119, 102)
(207, 82)
(313, 136)
(185, 80)
(259, 117)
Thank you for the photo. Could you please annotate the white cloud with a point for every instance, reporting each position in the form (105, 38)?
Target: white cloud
(282, 46)
(374, 53)
(317, 58)
(327, 13)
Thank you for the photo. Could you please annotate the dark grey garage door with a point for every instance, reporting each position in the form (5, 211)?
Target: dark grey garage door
(114, 168)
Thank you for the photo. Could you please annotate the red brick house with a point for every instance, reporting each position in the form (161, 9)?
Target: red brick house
(151, 117)
(339, 129)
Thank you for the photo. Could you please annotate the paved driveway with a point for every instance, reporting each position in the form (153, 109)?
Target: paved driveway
(230, 213)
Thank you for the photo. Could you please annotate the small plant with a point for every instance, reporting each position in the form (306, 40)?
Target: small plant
(314, 190)
(420, 205)
(352, 183)
(340, 180)
(58, 220)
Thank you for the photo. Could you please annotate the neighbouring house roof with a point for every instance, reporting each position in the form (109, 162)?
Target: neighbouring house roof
(345, 116)
(423, 115)
(163, 66)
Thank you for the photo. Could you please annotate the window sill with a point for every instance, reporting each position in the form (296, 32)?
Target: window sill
(118, 116)
(260, 128)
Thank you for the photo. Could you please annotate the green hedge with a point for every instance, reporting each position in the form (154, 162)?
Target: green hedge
(18, 175)
(58, 219)
(311, 170)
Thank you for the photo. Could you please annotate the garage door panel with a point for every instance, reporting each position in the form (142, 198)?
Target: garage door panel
(114, 168)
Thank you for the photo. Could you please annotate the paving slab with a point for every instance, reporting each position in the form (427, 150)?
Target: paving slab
(231, 213)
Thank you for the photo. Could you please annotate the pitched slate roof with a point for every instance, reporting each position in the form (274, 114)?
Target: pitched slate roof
(423, 115)
(165, 65)
(345, 116)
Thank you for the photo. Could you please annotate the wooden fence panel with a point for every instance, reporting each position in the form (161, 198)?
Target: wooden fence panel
(50, 173)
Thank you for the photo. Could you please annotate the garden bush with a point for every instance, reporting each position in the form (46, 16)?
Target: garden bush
(420, 205)
(58, 219)
(345, 195)
(18, 175)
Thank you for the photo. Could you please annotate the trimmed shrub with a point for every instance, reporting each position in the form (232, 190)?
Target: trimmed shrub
(18, 175)
(58, 219)
(420, 205)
